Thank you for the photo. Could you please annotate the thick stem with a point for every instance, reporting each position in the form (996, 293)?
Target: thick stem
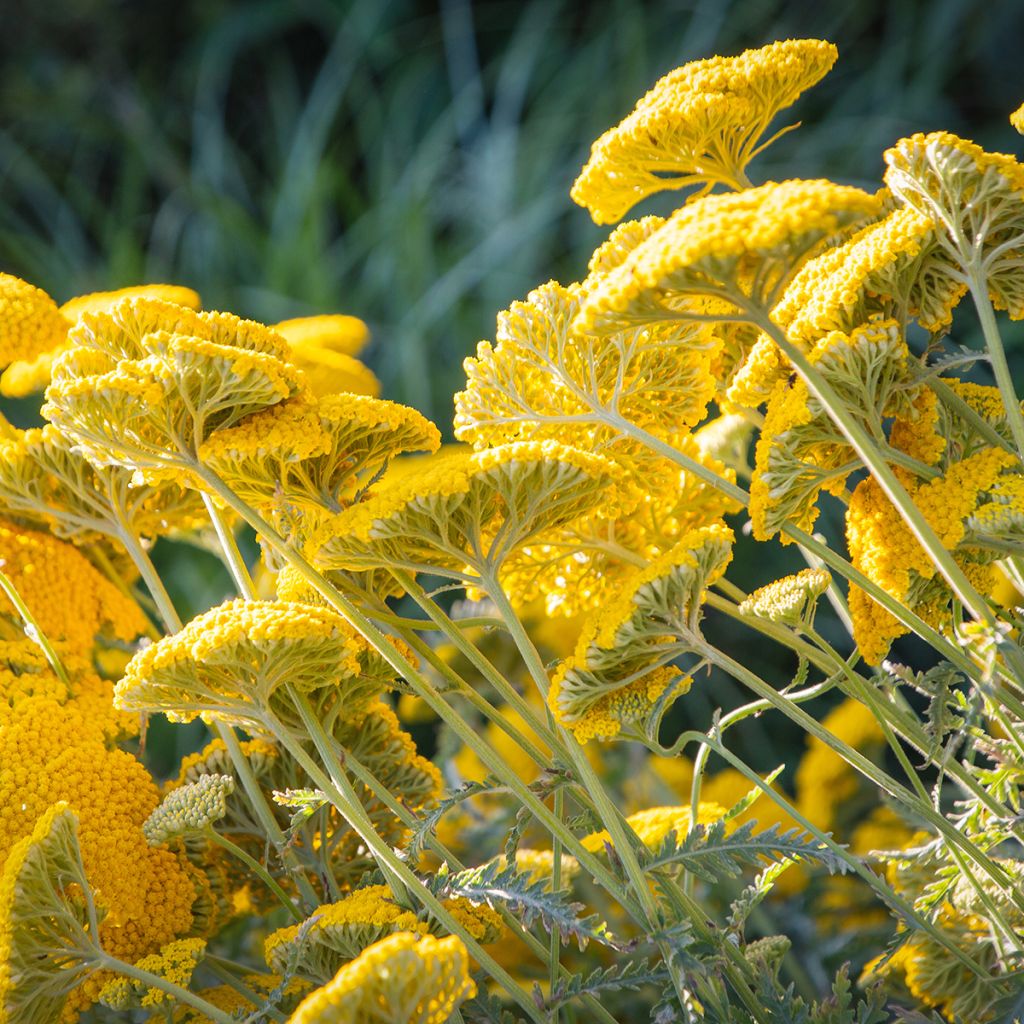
(997, 354)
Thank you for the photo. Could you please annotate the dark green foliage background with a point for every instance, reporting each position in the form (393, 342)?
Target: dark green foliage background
(410, 162)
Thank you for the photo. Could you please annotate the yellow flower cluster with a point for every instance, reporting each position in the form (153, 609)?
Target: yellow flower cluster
(69, 599)
(699, 125)
(789, 600)
(238, 661)
(884, 549)
(714, 245)
(618, 672)
(174, 963)
(189, 809)
(324, 349)
(403, 979)
(31, 322)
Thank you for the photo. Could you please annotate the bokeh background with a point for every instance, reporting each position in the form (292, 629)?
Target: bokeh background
(410, 162)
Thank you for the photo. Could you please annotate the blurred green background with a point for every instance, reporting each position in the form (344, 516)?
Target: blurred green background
(410, 163)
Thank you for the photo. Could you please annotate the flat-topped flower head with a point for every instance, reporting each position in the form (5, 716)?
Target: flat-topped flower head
(790, 600)
(146, 382)
(300, 460)
(71, 601)
(339, 932)
(190, 809)
(619, 673)
(237, 662)
(800, 452)
(974, 197)
(44, 479)
(578, 568)
(42, 956)
(402, 979)
(30, 322)
(30, 374)
(700, 125)
(740, 248)
(544, 380)
(464, 512)
(175, 963)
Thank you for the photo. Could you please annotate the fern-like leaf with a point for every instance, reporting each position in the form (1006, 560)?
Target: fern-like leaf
(710, 853)
(630, 976)
(528, 898)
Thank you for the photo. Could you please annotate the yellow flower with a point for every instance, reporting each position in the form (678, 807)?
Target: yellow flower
(789, 600)
(236, 661)
(174, 963)
(619, 672)
(655, 824)
(70, 600)
(30, 322)
(403, 979)
(333, 331)
(699, 125)
(463, 512)
(713, 246)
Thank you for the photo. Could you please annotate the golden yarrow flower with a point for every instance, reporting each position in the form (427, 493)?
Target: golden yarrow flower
(700, 125)
(403, 979)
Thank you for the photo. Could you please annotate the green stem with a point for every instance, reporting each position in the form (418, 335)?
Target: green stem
(182, 995)
(334, 785)
(232, 556)
(404, 668)
(622, 835)
(555, 953)
(977, 283)
(140, 558)
(263, 810)
(257, 868)
(32, 628)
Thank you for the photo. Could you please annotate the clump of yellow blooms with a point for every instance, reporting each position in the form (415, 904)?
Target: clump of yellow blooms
(699, 125)
(768, 360)
(403, 979)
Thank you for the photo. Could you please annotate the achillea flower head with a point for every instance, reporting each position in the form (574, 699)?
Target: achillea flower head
(884, 549)
(403, 979)
(619, 671)
(175, 963)
(789, 600)
(189, 810)
(38, 918)
(70, 600)
(699, 125)
(711, 248)
(300, 461)
(44, 479)
(144, 384)
(975, 196)
(578, 568)
(542, 379)
(1017, 119)
(30, 322)
(28, 375)
(50, 753)
(235, 662)
(464, 511)
(800, 451)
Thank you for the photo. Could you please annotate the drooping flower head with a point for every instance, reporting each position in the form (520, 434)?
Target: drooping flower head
(741, 249)
(145, 383)
(463, 513)
(237, 662)
(402, 979)
(975, 198)
(620, 671)
(700, 125)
